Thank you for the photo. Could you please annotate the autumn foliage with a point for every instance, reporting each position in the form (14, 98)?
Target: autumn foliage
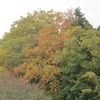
(41, 65)
(59, 52)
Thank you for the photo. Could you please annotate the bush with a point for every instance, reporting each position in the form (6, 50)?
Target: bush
(2, 68)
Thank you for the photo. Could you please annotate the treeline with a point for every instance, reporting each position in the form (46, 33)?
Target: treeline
(59, 52)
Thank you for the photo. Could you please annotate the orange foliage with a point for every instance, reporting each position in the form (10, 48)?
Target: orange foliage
(50, 40)
(41, 64)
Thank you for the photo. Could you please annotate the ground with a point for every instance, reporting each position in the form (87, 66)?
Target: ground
(12, 88)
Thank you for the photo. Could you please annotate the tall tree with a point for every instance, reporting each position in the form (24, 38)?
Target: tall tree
(80, 20)
(80, 63)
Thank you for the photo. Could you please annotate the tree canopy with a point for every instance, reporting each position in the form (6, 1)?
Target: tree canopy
(59, 52)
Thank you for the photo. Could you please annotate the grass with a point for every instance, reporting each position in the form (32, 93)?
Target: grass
(12, 88)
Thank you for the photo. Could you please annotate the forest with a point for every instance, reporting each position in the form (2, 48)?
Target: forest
(59, 52)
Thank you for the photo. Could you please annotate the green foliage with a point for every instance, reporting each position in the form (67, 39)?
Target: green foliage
(2, 68)
(80, 20)
(98, 28)
(24, 34)
(58, 51)
(80, 66)
(31, 24)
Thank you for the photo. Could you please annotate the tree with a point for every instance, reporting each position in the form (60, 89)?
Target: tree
(58, 51)
(80, 66)
(24, 33)
(31, 24)
(98, 28)
(80, 20)
(42, 58)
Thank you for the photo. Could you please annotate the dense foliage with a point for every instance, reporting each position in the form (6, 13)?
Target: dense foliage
(59, 52)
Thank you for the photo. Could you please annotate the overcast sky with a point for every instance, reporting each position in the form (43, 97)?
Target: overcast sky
(11, 10)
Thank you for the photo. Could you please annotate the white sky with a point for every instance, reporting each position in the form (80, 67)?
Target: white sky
(11, 10)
